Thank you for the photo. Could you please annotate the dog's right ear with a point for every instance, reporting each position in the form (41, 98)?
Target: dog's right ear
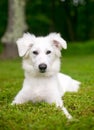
(25, 43)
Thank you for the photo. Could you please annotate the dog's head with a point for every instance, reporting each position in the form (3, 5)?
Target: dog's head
(41, 54)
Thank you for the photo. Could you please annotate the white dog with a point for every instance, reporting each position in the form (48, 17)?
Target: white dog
(41, 63)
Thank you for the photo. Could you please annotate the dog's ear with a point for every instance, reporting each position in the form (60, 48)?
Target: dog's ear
(25, 43)
(58, 41)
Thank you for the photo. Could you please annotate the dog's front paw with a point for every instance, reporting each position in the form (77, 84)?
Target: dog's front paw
(14, 102)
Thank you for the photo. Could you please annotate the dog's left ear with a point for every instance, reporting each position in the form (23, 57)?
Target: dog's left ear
(58, 41)
(25, 43)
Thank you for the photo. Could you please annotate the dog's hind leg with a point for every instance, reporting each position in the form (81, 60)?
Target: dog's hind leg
(66, 112)
(60, 104)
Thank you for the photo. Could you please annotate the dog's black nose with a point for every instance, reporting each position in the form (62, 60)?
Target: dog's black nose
(42, 67)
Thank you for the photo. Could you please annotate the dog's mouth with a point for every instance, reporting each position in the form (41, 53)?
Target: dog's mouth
(42, 71)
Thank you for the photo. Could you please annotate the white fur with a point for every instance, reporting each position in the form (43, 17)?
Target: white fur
(40, 83)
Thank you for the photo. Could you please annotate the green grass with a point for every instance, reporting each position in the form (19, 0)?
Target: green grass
(42, 116)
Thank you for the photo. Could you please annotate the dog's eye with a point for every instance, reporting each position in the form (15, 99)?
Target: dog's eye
(48, 52)
(35, 52)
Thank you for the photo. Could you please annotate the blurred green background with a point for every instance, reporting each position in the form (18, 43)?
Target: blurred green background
(74, 21)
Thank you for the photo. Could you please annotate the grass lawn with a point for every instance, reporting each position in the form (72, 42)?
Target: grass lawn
(42, 116)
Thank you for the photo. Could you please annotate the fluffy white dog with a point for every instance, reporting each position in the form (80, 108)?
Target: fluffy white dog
(41, 63)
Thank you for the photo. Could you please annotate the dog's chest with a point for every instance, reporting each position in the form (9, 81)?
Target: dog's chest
(39, 94)
(43, 89)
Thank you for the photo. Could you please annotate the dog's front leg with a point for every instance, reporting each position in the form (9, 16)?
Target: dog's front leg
(61, 105)
(20, 98)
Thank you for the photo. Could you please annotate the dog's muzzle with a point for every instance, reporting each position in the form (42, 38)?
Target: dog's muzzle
(42, 67)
